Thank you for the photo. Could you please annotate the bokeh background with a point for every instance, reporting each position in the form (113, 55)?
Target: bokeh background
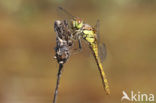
(27, 40)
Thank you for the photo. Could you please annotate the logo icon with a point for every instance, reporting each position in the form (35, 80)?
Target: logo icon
(138, 97)
(125, 96)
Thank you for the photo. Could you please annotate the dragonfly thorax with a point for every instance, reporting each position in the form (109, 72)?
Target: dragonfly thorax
(89, 36)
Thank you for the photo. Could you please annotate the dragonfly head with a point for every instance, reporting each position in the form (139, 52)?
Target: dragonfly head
(77, 23)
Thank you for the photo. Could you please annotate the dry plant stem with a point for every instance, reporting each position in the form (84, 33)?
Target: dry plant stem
(58, 82)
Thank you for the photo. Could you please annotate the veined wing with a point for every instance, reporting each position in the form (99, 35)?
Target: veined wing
(101, 46)
(65, 15)
(102, 51)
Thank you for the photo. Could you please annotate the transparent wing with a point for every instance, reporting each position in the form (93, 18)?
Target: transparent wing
(101, 46)
(102, 51)
(97, 29)
(65, 15)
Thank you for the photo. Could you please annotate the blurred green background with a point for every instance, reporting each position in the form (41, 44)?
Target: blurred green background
(27, 40)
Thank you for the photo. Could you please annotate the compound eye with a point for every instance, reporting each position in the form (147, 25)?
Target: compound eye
(79, 21)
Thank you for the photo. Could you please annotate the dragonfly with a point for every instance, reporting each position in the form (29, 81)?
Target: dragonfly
(98, 49)
(81, 30)
(62, 49)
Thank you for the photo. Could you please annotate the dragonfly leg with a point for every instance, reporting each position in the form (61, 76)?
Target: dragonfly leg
(79, 41)
(77, 36)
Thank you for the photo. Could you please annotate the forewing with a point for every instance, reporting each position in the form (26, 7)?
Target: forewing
(102, 51)
(101, 46)
(64, 14)
(97, 29)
